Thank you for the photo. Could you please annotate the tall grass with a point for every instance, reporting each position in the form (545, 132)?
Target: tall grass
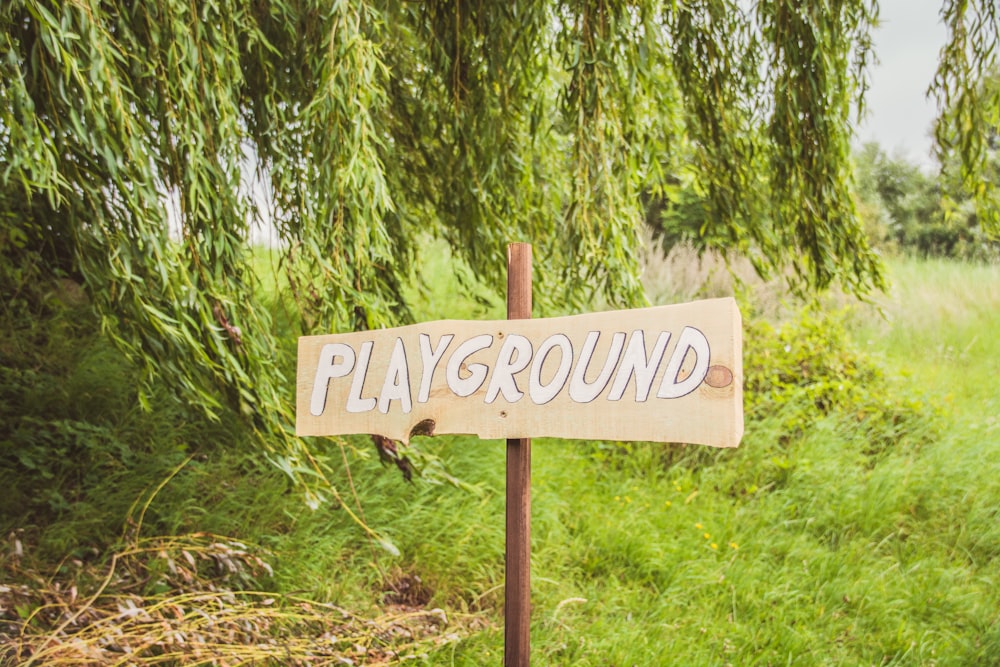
(814, 551)
(941, 323)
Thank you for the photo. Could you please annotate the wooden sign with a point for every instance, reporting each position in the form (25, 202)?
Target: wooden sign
(668, 374)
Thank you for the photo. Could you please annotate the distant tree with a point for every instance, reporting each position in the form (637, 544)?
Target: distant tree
(377, 125)
(909, 210)
(880, 187)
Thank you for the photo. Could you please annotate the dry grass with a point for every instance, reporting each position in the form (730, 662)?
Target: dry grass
(684, 275)
(201, 618)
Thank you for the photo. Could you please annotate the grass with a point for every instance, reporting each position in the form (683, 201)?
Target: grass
(833, 559)
(828, 537)
(940, 324)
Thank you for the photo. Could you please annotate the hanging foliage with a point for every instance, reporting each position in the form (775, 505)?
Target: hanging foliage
(968, 96)
(132, 134)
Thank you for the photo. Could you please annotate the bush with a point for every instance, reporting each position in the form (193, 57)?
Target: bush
(795, 374)
(808, 368)
(76, 450)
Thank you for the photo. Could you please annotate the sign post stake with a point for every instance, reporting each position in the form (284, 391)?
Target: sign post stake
(517, 585)
(458, 376)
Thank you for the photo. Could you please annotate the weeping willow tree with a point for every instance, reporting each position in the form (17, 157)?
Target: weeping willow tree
(131, 134)
(967, 90)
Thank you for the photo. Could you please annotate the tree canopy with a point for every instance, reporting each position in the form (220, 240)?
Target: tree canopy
(378, 125)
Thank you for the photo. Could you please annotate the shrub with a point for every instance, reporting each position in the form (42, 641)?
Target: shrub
(796, 373)
(809, 368)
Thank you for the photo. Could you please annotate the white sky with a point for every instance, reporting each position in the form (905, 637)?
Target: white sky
(907, 42)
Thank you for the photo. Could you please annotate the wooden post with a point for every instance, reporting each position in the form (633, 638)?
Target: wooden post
(517, 601)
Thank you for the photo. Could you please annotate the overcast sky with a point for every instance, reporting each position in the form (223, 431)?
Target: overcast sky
(907, 43)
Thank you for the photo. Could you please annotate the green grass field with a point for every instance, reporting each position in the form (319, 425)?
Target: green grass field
(795, 549)
(857, 524)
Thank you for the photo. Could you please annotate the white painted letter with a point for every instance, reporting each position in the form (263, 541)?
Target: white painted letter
(514, 357)
(541, 394)
(467, 386)
(397, 381)
(579, 389)
(634, 362)
(326, 370)
(430, 361)
(354, 401)
(691, 339)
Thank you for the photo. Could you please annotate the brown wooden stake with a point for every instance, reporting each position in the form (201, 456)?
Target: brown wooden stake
(517, 602)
